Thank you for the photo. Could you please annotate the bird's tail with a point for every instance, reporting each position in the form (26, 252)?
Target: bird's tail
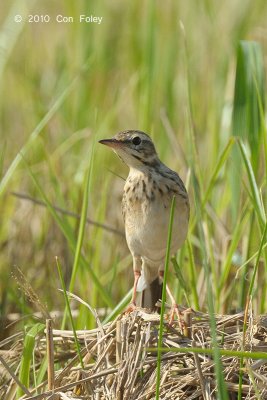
(150, 285)
(148, 275)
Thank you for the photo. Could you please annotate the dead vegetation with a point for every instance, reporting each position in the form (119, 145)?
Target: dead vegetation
(119, 363)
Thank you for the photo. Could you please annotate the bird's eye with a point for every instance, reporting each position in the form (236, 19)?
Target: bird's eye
(136, 140)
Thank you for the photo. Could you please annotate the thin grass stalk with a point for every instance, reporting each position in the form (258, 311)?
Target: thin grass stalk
(149, 67)
(63, 211)
(209, 248)
(50, 355)
(253, 355)
(161, 325)
(197, 188)
(218, 365)
(243, 289)
(221, 161)
(179, 291)
(41, 371)
(261, 104)
(77, 344)
(181, 280)
(119, 307)
(256, 99)
(254, 384)
(82, 225)
(192, 276)
(34, 370)
(123, 264)
(248, 301)
(24, 389)
(35, 133)
(252, 281)
(236, 236)
(246, 116)
(253, 184)
(2, 156)
(223, 158)
(98, 243)
(255, 255)
(66, 230)
(193, 160)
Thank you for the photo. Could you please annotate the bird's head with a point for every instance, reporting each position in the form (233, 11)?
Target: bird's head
(135, 148)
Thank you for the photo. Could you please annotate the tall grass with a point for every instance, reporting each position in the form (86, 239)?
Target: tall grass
(164, 294)
(198, 90)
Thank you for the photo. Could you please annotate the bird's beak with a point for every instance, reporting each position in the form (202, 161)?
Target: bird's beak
(114, 143)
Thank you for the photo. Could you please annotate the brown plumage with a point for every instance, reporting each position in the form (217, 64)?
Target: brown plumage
(146, 203)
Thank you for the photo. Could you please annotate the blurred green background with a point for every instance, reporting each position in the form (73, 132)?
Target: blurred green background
(168, 69)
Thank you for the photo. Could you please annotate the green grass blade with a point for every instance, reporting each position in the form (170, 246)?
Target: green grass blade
(253, 355)
(181, 279)
(69, 311)
(257, 204)
(41, 371)
(261, 103)
(119, 307)
(193, 275)
(249, 298)
(249, 96)
(251, 373)
(248, 261)
(218, 365)
(236, 236)
(246, 118)
(243, 280)
(197, 190)
(221, 161)
(71, 240)
(28, 348)
(148, 69)
(161, 326)
(2, 156)
(255, 269)
(35, 133)
(78, 249)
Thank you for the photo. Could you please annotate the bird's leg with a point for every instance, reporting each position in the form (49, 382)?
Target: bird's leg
(132, 306)
(174, 306)
(137, 273)
(175, 310)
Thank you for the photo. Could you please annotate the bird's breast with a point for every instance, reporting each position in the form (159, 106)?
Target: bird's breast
(146, 210)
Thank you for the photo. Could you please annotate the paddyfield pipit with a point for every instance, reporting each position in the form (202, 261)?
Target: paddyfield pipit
(146, 203)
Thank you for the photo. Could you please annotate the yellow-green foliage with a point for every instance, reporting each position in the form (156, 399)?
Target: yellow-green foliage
(166, 68)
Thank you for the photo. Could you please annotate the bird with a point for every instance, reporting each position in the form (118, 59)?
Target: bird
(146, 204)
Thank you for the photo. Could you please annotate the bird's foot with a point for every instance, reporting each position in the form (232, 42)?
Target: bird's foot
(175, 311)
(184, 319)
(130, 308)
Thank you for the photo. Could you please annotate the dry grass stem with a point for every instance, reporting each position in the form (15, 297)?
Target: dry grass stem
(118, 362)
(50, 355)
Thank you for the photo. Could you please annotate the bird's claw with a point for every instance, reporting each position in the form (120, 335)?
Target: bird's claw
(175, 311)
(130, 308)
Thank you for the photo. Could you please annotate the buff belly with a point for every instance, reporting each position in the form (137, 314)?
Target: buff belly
(147, 229)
